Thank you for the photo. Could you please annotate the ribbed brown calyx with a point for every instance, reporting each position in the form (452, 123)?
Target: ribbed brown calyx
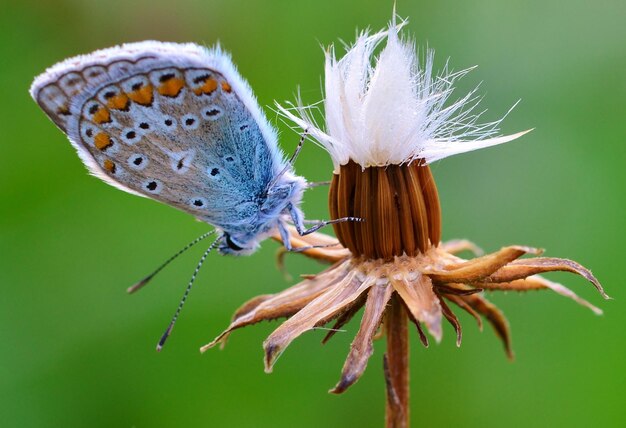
(399, 204)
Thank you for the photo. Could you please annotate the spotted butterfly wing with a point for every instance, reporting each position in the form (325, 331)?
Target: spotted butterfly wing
(172, 122)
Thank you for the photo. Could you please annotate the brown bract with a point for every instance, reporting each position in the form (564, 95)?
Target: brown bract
(425, 284)
(394, 266)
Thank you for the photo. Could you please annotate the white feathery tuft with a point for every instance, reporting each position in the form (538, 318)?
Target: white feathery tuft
(391, 109)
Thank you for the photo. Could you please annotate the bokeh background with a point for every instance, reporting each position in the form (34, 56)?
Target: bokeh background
(77, 351)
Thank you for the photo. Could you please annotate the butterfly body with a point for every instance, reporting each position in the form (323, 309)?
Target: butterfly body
(178, 124)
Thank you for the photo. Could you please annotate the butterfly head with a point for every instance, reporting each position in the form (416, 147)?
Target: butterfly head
(233, 245)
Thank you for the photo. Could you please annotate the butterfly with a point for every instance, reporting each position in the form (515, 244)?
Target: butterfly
(178, 124)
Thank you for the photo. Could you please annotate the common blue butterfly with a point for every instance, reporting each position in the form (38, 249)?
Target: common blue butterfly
(178, 124)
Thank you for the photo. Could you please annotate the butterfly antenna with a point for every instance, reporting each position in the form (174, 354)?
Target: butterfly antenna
(168, 331)
(292, 159)
(147, 279)
(295, 154)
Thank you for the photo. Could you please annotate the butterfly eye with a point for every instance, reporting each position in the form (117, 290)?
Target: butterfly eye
(232, 245)
(138, 161)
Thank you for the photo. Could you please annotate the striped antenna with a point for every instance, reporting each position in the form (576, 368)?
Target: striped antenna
(169, 328)
(147, 279)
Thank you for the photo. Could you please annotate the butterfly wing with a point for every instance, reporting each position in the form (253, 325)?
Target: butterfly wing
(172, 122)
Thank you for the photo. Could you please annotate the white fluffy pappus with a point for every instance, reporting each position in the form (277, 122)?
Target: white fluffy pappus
(391, 109)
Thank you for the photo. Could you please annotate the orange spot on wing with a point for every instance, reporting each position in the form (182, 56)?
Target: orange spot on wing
(102, 116)
(207, 87)
(171, 87)
(102, 141)
(118, 102)
(63, 111)
(226, 86)
(109, 166)
(142, 95)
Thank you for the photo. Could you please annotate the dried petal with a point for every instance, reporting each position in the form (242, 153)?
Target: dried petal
(329, 303)
(283, 304)
(494, 316)
(463, 305)
(362, 346)
(523, 268)
(326, 248)
(452, 319)
(420, 330)
(345, 317)
(422, 302)
(457, 245)
(537, 282)
(455, 289)
(480, 267)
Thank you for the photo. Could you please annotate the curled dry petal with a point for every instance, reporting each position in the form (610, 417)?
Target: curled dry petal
(494, 316)
(362, 346)
(452, 289)
(453, 320)
(420, 330)
(423, 304)
(345, 317)
(536, 282)
(526, 267)
(479, 267)
(323, 307)
(282, 304)
(420, 282)
(455, 246)
(466, 307)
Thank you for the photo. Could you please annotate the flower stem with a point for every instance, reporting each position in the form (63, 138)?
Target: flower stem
(396, 365)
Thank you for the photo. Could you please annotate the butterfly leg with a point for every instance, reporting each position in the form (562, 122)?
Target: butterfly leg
(284, 236)
(317, 184)
(298, 221)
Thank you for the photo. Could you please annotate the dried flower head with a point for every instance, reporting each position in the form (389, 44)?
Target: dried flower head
(394, 112)
(386, 120)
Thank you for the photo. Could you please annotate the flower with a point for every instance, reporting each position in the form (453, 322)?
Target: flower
(394, 112)
(384, 124)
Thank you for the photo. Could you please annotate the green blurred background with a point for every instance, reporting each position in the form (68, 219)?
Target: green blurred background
(78, 351)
